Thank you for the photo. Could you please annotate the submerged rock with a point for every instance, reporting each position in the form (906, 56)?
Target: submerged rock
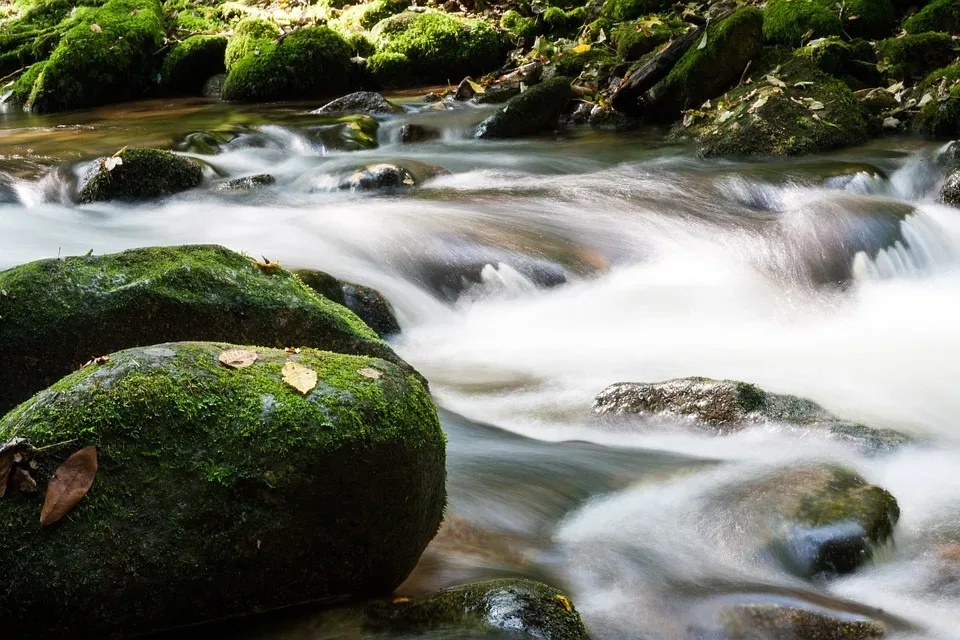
(58, 314)
(389, 175)
(345, 133)
(140, 174)
(248, 183)
(531, 112)
(369, 304)
(221, 491)
(410, 133)
(360, 102)
(774, 621)
(727, 406)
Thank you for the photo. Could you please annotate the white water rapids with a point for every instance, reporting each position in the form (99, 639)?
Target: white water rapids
(673, 268)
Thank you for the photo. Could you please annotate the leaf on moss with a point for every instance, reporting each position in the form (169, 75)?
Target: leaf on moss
(268, 265)
(237, 358)
(96, 28)
(581, 48)
(293, 350)
(565, 601)
(301, 378)
(369, 372)
(68, 485)
(476, 86)
(777, 82)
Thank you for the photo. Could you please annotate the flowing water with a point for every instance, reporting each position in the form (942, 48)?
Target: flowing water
(540, 271)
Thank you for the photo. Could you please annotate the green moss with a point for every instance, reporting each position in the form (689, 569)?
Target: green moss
(572, 63)
(518, 25)
(440, 46)
(622, 10)
(830, 55)
(308, 63)
(564, 23)
(20, 92)
(873, 19)
(90, 67)
(143, 174)
(361, 45)
(938, 15)
(60, 313)
(915, 56)
(184, 16)
(220, 491)
(704, 73)
(389, 69)
(789, 22)
(191, 63)
(530, 112)
(637, 38)
(249, 37)
(367, 15)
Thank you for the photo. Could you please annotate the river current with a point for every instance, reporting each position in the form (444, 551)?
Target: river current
(540, 271)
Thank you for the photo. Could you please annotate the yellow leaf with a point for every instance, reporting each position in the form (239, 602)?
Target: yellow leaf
(581, 48)
(477, 87)
(652, 21)
(237, 358)
(299, 377)
(368, 372)
(565, 601)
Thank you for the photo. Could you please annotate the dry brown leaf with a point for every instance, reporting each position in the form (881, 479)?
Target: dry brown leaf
(68, 485)
(368, 372)
(237, 358)
(301, 378)
(293, 350)
(267, 265)
(96, 28)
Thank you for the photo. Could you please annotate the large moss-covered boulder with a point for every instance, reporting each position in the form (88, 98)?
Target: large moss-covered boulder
(936, 15)
(873, 19)
(703, 73)
(250, 37)
(367, 14)
(790, 22)
(220, 490)
(853, 63)
(369, 304)
(58, 314)
(440, 47)
(728, 406)
(530, 112)
(30, 36)
(140, 174)
(191, 63)
(915, 56)
(307, 63)
(107, 55)
(796, 111)
(940, 116)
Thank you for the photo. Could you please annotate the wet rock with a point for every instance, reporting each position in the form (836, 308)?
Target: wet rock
(58, 314)
(637, 38)
(606, 119)
(369, 304)
(221, 491)
(773, 621)
(205, 142)
(727, 406)
(853, 64)
(531, 112)
(410, 133)
(389, 175)
(140, 174)
(248, 183)
(950, 191)
(213, 87)
(498, 93)
(360, 102)
(465, 90)
(7, 193)
(877, 100)
(345, 133)
(191, 63)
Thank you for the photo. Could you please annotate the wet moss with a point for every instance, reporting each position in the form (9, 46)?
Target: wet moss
(307, 63)
(184, 16)
(109, 62)
(872, 19)
(143, 174)
(220, 491)
(361, 45)
(937, 15)
(20, 92)
(637, 38)
(530, 112)
(572, 63)
(58, 314)
(249, 37)
(789, 22)
(559, 22)
(389, 69)
(190, 64)
(915, 56)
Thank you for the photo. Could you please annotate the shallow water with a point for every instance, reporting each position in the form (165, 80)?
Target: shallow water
(540, 271)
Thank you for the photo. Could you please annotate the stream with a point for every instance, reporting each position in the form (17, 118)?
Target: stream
(539, 271)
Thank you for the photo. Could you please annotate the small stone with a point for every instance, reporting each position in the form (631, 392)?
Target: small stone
(360, 102)
(891, 123)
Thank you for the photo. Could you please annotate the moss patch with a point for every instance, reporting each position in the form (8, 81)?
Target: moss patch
(220, 491)
(915, 56)
(790, 21)
(637, 38)
(940, 118)
(367, 15)
(938, 15)
(143, 174)
(622, 10)
(249, 37)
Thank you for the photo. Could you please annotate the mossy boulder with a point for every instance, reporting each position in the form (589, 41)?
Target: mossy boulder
(811, 112)
(534, 110)
(704, 73)
(140, 174)
(855, 63)
(107, 55)
(389, 69)
(565, 23)
(623, 10)
(369, 304)
(307, 63)
(915, 56)
(788, 22)
(191, 63)
(31, 36)
(381, 176)
(937, 15)
(637, 38)
(220, 491)
(60, 313)
(367, 15)
(188, 17)
(250, 36)
(519, 25)
(728, 406)
(572, 62)
(940, 117)
(440, 47)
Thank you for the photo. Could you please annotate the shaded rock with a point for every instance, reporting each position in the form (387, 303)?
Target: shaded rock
(854, 64)
(205, 142)
(498, 93)
(637, 38)
(142, 174)
(369, 304)
(410, 133)
(248, 183)
(531, 112)
(389, 175)
(191, 63)
(774, 621)
(727, 406)
(7, 193)
(221, 491)
(940, 116)
(877, 100)
(914, 56)
(360, 102)
(58, 314)
(465, 90)
(606, 119)
(213, 87)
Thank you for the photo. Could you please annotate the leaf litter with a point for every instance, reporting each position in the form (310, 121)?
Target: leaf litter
(69, 484)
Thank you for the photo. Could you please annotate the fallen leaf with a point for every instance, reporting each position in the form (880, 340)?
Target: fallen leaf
(652, 21)
(268, 265)
(762, 100)
(6, 463)
(777, 82)
(97, 360)
(925, 100)
(111, 163)
(890, 123)
(301, 378)
(726, 115)
(400, 600)
(292, 349)
(476, 86)
(581, 48)
(96, 28)
(368, 372)
(803, 83)
(816, 105)
(68, 485)
(895, 88)
(135, 12)
(237, 358)
(565, 601)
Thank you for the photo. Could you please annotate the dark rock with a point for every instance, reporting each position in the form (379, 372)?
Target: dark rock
(7, 193)
(531, 112)
(877, 100)
(606, 119)
(498, 93)
(140, 174)
(465, 90)
(248, 183)
(950, 191)
(58, 314)
(345, 133)
(388, 175)
(410, 133)
(205, 142)
(369, 304)
(915, 56)
(360, 102)
(221, 491)
(213, 87)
